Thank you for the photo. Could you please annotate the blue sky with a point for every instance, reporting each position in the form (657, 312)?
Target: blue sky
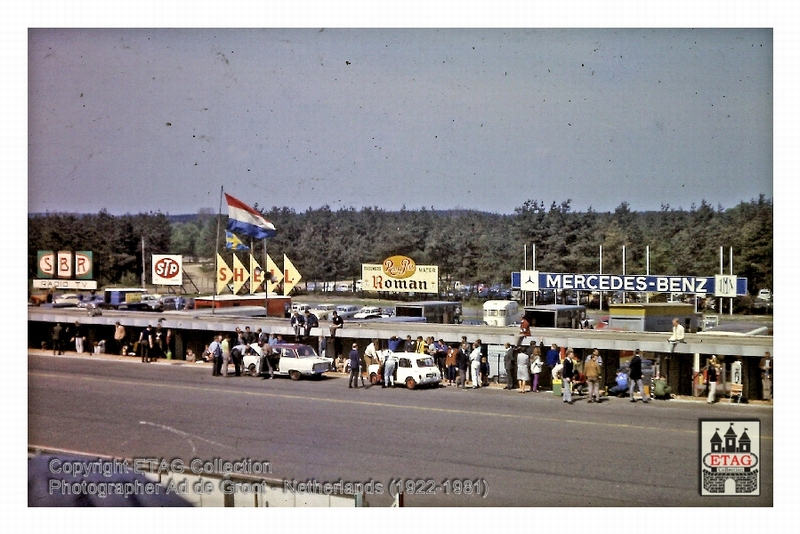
(444, 118)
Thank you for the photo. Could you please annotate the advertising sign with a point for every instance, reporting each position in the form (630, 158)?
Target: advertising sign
(718, 286)
(167, 269)
(84, 265)
(45, 264)
(400, 274)
(64, 265)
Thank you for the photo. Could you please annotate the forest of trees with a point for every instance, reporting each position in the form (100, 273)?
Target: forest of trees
(468, 246)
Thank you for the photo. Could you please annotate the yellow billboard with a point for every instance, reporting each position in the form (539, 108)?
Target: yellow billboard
(400, 274)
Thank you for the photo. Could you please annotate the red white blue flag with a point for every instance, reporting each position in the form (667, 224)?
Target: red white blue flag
(243, 219)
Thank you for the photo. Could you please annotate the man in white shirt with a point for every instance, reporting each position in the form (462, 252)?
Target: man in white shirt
(677, 334)
(475, 364)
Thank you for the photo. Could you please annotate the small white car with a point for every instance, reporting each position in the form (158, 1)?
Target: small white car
(66, 300)
(292, 359)
(412, 369)
(368, 312)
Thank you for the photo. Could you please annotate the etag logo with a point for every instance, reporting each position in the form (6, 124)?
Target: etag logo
(729, 463)
(167, 268)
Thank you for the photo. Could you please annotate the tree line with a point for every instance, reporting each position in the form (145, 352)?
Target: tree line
(468, 246)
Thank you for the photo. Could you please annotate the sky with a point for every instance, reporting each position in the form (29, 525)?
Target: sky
(140, 120)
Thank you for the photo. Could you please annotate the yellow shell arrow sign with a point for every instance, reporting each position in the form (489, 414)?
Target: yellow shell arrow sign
(291, 276)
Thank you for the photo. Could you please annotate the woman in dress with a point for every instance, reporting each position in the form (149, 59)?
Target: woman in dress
(523, 370)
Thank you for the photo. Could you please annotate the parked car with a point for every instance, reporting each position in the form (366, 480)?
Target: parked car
(91, 302)
(323, 311)
(153, 302)
(368, 312)
(66, 300)
(412, 369)
(288, 359)
(347, 311)
(765, 294)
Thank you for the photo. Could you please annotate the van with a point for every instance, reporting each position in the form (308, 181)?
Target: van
(300, 307)
(347, 311)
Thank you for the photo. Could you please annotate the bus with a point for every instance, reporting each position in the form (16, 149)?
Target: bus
(555, 315)
(433, 311)
(500, 312)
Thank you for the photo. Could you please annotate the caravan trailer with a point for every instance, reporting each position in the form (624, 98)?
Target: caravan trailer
(500, 312)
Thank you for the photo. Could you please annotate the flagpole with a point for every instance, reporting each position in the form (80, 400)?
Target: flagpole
(216, 254)
(266, 283)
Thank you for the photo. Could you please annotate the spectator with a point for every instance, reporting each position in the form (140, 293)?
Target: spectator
(389, 366)
(678, 333)
(567, 373)
(592, 371)
(119, 338)
(56, 337)
(621, 385)
(711, 379)
(536, 369)
(635, 376)
(215, 349)
(451, 364)
(523, 370)
(462, 363)
(355, 363)
(509, 361)
(524, 329)
(310, 322)
(766, 376)
(297, 323)
(475, 364)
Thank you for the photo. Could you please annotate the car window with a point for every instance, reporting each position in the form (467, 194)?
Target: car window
(425, 362)
(305, 352)
(404, 362)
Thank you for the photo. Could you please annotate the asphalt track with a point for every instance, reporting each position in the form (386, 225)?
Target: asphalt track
(525, 450)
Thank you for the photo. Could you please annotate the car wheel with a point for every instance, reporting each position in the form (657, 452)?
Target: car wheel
(374, 379)
(410, 384)
(252, 370)
(294, 375)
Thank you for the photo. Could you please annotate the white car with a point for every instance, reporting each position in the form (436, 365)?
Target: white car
(368, 312)
(66, 300)
(412, 369)
(288, 359)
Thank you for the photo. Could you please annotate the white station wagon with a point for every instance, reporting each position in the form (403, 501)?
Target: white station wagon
(412, 369)
(292, 359)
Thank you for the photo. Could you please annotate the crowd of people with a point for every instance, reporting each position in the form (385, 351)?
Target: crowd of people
(464, 365)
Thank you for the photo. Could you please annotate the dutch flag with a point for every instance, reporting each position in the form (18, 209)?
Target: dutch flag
(243, 219)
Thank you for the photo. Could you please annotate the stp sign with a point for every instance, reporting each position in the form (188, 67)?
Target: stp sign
(168, 269)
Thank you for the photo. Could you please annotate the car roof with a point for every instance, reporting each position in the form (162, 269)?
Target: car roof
(291, 345)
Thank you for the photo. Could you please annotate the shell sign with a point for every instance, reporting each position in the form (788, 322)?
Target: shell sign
(400, 274)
